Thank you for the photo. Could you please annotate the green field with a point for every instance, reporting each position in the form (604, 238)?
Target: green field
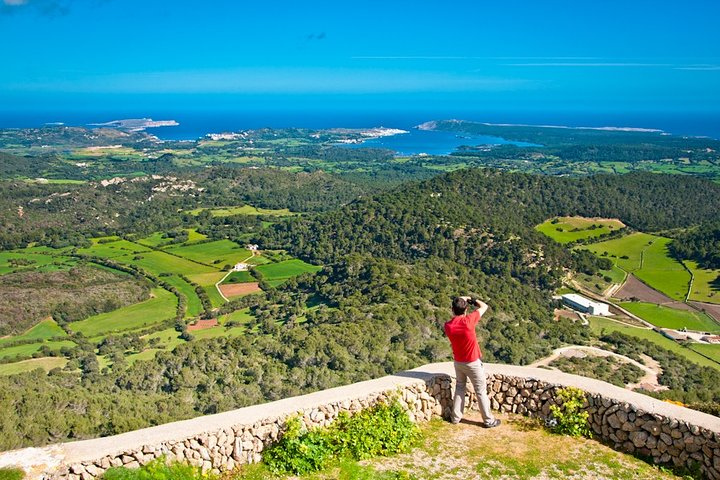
(30, 348)
(285, 270)
(648, 259)
(155, 310)
(194, 305)
(239, 316)
(709, 350)
(598, 324)
(46, 363)
(218, 253)
(114, 249)
(706, 284)
(42, 331)
(667, 317)
(160, 262)
(244, 210)
(570, 229)
(239, 277)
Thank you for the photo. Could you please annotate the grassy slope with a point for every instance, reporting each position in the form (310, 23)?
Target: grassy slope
(117, 248)
(671, 318)
(160, 262)
(598, 324)
(712, 351)
(194, 305)
(568, 224)
(149, 312)
(244, 210)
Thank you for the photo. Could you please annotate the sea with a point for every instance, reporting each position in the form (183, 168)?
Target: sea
(196, 124)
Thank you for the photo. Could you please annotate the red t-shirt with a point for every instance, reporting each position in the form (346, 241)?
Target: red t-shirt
(461, 332)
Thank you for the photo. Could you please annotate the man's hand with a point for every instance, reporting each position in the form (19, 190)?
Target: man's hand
(482, 307)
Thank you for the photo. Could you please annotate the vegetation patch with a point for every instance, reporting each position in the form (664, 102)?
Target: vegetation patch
(667, 317)
(706, 283)
(159, 263)
(45, 363)
(381, 430)
(193, 304)
(44, 330)
(244, 210)
(286, 269)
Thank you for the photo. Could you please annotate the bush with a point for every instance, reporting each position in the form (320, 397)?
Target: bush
(569, 418)
(11, 474)
(157, 470)
(383, 429)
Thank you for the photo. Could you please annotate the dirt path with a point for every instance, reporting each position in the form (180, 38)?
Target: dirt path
(253, 253)
(649, 380)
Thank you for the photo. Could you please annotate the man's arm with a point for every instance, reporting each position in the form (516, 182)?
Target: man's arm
(482, 307)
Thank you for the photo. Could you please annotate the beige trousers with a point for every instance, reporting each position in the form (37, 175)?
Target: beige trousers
(476, 373)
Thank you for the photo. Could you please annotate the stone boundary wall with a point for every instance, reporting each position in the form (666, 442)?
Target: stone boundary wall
(628, 421)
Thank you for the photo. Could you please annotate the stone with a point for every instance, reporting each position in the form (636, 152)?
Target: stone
(638, 438)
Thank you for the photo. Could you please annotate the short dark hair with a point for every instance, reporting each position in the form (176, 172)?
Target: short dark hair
(459, 305)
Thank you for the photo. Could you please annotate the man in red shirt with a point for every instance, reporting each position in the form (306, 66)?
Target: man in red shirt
(466, 351)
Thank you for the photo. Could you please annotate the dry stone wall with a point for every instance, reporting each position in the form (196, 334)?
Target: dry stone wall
(628, 421)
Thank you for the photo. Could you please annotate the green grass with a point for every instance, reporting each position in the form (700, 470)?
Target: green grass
(155, 310)
(244, 210)
(240, 277)
(649, 260)
(598, 324)
(160, 262)
(216, 300)
(709, 350)
(114, 249)
(42, 331)
(206, 279)
(194, 305)
(219, 331)
(239, 316)
(168, 338)
(706, 284)
(218, 253)
(667, 317)
(29, 349)
(570, 229)
(45, 363)
(286, 269)
(157, 239)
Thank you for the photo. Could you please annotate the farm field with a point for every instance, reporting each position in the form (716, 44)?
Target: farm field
(647, 257)
(239, 277)
(598, 324)
(160, 262)
(570, 229)
(706, 284)
(155, 310)
(231, 290)
(206, 279)
(667, 317)
(42, 331)
(158, 239)
(217, 253)
(115, 248)
(244, 210)
(709, 350)
(46, 363)
(39, 261)
(194, 305)
(281, 271)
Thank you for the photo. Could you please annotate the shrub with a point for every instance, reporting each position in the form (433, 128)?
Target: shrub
(569, 418)
(383, 429)
(11, 474)
(157, 470)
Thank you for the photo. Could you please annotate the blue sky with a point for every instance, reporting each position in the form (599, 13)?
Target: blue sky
(463, 55)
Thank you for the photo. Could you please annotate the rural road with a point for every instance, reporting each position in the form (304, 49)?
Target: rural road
(648, 381)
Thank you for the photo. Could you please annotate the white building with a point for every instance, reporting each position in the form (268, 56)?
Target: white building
(585, 305)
